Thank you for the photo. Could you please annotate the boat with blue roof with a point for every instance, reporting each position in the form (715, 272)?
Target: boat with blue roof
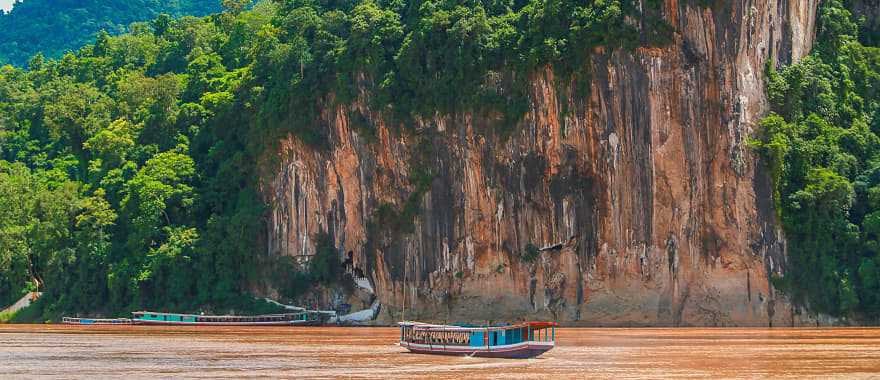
(514, 341)
(304, 318)
(96, 321)
(301, 318)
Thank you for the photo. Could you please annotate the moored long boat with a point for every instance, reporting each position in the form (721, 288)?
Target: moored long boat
(96, 321)
(517, 341)
(305, 318)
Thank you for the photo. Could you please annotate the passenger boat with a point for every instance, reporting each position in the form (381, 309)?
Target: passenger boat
(517, 341)
(95, 321)
(305, 318)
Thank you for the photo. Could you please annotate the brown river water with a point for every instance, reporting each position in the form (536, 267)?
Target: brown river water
(53, 351)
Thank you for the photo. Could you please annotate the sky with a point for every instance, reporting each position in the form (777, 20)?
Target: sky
(6, 5)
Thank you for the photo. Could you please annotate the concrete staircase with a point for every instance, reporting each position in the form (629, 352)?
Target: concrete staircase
(23, 302)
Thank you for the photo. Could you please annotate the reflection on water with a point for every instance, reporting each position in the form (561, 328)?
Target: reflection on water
(139, 351)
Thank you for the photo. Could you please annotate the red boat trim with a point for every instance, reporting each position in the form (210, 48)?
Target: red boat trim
(515, 351)
(469, 349)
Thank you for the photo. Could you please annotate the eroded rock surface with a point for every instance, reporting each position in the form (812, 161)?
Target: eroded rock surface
(651, 207)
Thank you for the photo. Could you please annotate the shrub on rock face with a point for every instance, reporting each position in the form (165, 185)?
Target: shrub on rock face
(530, 253)
(326, 268)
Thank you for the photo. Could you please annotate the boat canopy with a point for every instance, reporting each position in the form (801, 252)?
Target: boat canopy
(520, 340)
(532, 325)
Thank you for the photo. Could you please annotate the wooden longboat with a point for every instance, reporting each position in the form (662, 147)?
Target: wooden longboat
(517, 341)
(305, 318)
(95, 321)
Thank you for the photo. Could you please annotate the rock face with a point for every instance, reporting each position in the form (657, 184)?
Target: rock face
(646, 203)
(870, 11)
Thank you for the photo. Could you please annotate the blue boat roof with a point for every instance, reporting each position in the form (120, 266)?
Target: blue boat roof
(472, 325)
(420, 325)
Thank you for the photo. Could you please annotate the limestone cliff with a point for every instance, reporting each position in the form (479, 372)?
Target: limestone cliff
(648, 204)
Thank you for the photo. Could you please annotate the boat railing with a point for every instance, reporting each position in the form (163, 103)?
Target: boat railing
(308, 316)
(102, 321)
(521, 340)
(488, 336)
(542, 334)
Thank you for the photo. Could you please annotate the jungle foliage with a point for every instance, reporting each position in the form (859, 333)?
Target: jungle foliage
(55, 27)
(822, 149)
(129, 173)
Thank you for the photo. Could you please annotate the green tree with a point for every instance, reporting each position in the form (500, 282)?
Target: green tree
(55, 27)
(822, 153)
(145, 149)
(235, 6)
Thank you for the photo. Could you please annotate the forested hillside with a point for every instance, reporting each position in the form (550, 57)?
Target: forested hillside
(823, 151)
(130, 176)
(54, 27)
(129, 172)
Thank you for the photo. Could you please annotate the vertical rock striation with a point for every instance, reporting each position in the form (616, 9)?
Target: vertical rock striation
(642, 195)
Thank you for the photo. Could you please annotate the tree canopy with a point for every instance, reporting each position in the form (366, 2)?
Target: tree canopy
(54, 27)
(132, 163)
(822, 148)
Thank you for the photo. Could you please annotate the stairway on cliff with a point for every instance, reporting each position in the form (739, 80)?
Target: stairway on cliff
(22, 303)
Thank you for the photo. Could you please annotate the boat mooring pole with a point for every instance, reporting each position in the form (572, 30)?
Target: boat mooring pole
(405, 267)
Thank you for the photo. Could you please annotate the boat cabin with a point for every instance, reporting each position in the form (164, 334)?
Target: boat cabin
(488, 336)
(162, 317)
(95, 321)
(501, 337)
(305, 317)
